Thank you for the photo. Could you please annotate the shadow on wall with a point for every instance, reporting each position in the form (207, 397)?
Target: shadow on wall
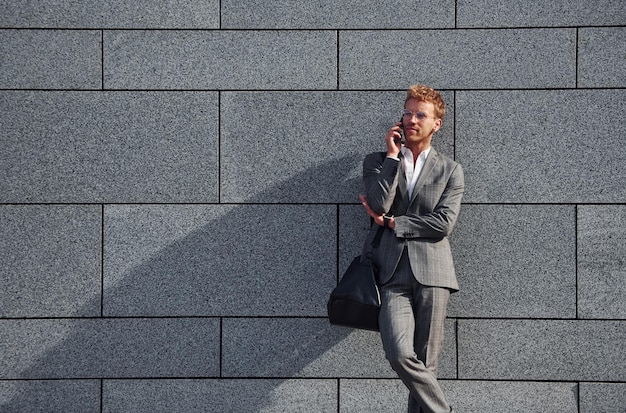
(207, 292)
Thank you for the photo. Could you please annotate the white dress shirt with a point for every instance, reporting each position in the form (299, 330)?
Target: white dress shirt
(412, 169)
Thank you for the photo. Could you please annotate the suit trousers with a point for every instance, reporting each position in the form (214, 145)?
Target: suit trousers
(412, 320)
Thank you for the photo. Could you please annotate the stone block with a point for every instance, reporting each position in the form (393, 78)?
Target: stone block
(353, 226)
(602, 56)
(601, 263)
(298, 347)
(372, 396)
(390, 396)
(458, 59)
(223, 395)
(219, 260)
(104, 348)
(515, 261)
(311, 348)
(539, 13)
(92, 147)
(554, 146)
(552, 350)
(253, 60)
(197, 14)
(511, 397)
(50, 396)
(602, 397)
(50, 59)
(307, 146)
(328, 14)
(50, 259)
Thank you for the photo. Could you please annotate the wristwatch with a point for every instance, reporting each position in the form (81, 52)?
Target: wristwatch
(387, 220)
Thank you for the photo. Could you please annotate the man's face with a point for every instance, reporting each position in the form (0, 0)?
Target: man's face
(420, 125)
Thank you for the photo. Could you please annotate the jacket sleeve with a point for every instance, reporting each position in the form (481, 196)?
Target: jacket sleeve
(380, 177)
(440, 222)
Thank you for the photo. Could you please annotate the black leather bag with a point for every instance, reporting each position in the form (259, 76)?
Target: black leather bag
(355, 302)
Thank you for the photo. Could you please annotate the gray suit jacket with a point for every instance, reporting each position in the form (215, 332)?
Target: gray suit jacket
(423, 223)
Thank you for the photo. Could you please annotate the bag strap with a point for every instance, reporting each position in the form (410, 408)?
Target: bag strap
(377, 237)
(375, 242)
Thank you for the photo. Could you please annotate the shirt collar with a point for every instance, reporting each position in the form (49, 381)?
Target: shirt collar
(422, 154)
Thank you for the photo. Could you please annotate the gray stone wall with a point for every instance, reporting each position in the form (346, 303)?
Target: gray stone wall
(178, 196)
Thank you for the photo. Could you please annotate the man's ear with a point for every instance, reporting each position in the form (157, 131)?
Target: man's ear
(438, 124)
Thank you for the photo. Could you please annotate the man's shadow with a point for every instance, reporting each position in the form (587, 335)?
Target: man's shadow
(239, 293)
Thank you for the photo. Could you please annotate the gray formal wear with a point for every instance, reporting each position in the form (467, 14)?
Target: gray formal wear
(423, 222)
(416, 271)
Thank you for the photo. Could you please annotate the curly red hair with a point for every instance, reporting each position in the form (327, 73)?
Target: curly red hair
(427, 94)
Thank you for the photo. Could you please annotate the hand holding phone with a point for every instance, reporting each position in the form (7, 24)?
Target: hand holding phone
(397, 140)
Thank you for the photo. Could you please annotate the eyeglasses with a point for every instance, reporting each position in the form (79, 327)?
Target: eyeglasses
(407, 114)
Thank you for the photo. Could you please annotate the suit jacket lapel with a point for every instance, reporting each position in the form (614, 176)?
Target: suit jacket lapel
(427, 169)
(402, 185)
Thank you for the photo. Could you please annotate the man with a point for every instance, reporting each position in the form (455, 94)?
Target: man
(415, 192)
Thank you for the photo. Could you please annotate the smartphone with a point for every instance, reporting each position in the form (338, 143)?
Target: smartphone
(402, 128)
